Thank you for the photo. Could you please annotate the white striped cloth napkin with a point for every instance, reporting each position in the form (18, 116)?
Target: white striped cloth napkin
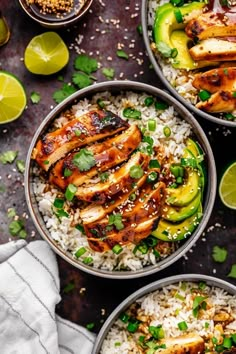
(29, 292)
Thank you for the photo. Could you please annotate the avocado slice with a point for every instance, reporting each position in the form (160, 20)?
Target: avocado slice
(185, 193)
(166, 23)
(194, 148)
(168, 30)
(167, 231)
(177, 214)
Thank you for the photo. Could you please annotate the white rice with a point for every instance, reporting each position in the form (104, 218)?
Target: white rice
(63, 231)
(163, 308)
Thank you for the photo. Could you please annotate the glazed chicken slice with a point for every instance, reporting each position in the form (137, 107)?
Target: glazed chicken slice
(220, 79)
(111, 153)
(101, 192)
(189, 343)
(95, 212)
(128, 235)
(139, 218)
(221, 101)
(214, 49)
(210, 25)
(92, 126)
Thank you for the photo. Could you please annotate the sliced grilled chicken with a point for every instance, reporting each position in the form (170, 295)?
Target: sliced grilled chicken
(90, 127)
(95, 211)
(111, 153)
(101, 192)
(221, 101)
(130, 234)
(214, 49)
(210, 25)
(220, 79)
(190, 343)
(139, 218)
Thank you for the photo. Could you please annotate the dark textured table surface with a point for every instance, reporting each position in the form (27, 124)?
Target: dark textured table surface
(103, 27)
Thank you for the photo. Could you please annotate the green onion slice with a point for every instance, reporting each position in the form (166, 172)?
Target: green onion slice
(183, 326)
(136, 171)
(204, 95)
(80, 252)
(70, 192)
(133, 113)
(117, 249)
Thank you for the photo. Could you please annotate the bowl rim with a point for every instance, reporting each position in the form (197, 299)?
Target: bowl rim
(210, 191)
(149, 288)
(57, 24)
(163, 79)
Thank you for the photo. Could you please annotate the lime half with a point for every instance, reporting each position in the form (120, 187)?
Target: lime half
(227, 188)
(46, 54)
(12, 97)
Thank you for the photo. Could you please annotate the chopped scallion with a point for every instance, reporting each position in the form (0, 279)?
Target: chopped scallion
(124, 317)
(100, 103)
(88, 260)
(152, 125)
(148, 101)
(80, 252)
(183, 326)
(154, 164)
(178, 16)
(167, 131)
(117, 249)
(161, 105)
(133, 113)
(70, 192)
(58, 203)
(152, 177)
(132, 327)
(204, 95)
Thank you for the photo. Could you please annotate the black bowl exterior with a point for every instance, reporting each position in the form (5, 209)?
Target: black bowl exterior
(159, 73)
(116, 87)
(211, 281)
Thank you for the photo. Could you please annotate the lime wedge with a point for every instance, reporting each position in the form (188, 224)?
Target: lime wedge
(46, 54)
(227, 188)
(12, 97)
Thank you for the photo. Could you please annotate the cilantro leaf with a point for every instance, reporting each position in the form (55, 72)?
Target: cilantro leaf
(164, 49)
(84, 160)
(85, 63)
(15, 227)
(63, 93)
(35, 97)
(8, 156)
(116, 220)
(104, 176)
(108, 72)
(69, 287)
(219, 254)
(232, 273)
(121, 54)
(20, 164)
(81, 80)
(11, 213)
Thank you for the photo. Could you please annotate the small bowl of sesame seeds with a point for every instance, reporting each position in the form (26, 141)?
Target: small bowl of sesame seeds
(55, 14)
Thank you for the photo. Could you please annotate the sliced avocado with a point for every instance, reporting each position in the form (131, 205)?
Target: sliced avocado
(183, 60)
(186, 192)
(168, 231)
(166, 23)
(177, 214)
(195, 149)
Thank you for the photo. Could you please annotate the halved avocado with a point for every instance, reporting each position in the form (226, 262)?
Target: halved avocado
(167, 231)
(177, 214)
(185, 193)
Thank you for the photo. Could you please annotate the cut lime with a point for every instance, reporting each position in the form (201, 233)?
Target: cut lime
(227, 188)
(46, 54)
(12, 97)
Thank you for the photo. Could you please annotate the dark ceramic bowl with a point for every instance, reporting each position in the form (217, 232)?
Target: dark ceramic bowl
(210, 190)
(55, 24)
(211, 281)
(213, 118)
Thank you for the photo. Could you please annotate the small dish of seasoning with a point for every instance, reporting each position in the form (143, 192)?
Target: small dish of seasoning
(55, 13)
